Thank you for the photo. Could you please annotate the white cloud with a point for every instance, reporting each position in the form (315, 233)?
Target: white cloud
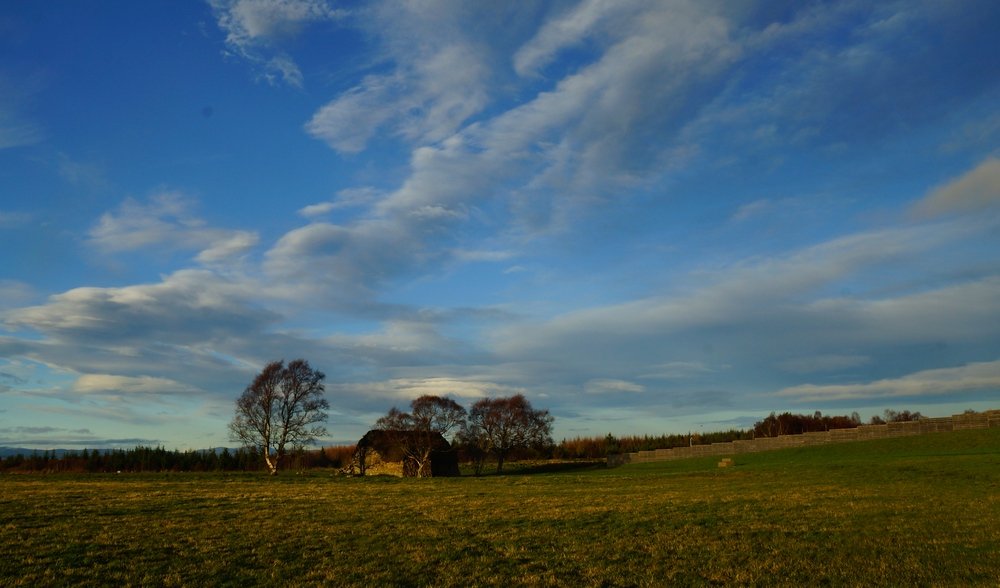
(247, 20)
(752, 209)
(342, 264)
(15, 132)
(673, 370)
(282, 65)
(566, 30)
(754, 290)
(79, 173)
(836, 56)
(612, 386)
(587, 137)
(349, 122)
(17, 129)
(10, 220)
(549, 159)
(975, 191)
(400, 336)
(347, 198)
(166, 221)
(187, 307)
(14, 293)
(935, 382)
(193, 333)
(111, 384)
(318, 209)
(482, 255)
(775, 319)
(437, 81)
(136, 225)
(409, 388)
(510, 143)
(228, 245)
(254, 27)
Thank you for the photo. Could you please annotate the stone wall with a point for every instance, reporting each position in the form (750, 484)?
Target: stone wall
(957, 422)
(374, 464)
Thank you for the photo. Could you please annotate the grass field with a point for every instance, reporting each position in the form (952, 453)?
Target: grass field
(915, 510)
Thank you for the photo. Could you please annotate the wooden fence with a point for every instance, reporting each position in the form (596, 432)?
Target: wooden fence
(980, 420)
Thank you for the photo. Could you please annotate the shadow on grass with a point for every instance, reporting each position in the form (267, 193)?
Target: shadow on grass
(527, 468)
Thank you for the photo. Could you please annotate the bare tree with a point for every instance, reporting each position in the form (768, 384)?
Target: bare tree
(281, 408)
(417, 433)
(475, 445)
(437, 414)
(500, 425)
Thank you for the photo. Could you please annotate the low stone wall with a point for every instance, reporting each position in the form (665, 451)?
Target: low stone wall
(982, 420)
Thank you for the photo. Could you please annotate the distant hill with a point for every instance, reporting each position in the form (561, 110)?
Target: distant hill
(12, 451)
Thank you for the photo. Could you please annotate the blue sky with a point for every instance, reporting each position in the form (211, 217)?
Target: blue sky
(647, 217)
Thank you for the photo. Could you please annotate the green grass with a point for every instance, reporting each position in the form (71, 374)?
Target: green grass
(909, 511)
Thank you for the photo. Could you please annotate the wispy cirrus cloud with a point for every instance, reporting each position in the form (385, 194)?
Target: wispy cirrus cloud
(348, 198)
(17, 128)
(131, 385)
(9, 219)
(437, 81)
(184, 308)
(538, 164)
(16, 131)
(976, 191)
(779, 319)
(255, 28)
(64, 438)
(461, 388)
(167, 220)
(981, 376)
(14, 293)
(560, 199)
(612, 386)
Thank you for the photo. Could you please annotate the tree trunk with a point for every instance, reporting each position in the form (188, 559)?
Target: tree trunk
(499, 463)
(272, 464)
(424, 466)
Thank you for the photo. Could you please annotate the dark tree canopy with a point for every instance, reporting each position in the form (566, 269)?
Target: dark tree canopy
(500, 425)
(281, 408)
(416, 434)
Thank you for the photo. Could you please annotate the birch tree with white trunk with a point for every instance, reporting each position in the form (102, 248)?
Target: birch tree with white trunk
(282, 408)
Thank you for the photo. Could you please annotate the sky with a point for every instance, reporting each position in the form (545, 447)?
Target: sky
(647, 217)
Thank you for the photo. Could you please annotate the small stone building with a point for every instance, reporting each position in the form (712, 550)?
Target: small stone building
(382, 452)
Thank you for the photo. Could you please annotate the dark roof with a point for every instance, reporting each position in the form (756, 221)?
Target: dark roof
(384, 441)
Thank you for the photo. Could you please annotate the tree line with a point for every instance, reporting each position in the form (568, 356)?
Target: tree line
(470, 449)
(282, 410)
(138, 459)
(773, 425)
(796, 424)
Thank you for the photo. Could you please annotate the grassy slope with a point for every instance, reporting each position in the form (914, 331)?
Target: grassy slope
(916, 510)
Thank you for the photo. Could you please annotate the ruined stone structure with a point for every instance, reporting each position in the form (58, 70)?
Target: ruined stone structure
(382, 453)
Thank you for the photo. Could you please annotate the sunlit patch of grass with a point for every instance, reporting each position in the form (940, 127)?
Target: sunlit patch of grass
(894, 512)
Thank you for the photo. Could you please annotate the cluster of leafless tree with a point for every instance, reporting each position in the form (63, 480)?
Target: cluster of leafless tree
(283, 407)
(493, 427)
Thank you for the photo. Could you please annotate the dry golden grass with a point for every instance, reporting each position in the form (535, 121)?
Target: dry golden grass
(921, 510)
